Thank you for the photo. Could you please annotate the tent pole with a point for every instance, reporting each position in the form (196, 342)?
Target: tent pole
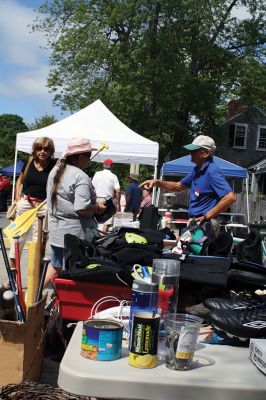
(14, 174)
(154, 177)
(158, 194)
(248, 213)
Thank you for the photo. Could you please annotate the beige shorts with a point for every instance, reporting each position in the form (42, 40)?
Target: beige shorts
(22, 206)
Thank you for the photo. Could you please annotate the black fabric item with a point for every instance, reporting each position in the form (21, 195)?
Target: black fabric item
(77, 251)
(232, 304)
(221, 246)
(249, 266)
(246, 280)
(199, 310)
(108, 213)
(117, 240)
(209, 232)
(242, 324)
(168, 234)
(113, 248)
(203, 270)
(250, 248)
(149, 218)
(137, 254)
(99, 269)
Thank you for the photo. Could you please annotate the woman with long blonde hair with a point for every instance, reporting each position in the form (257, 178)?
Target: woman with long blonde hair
(31, 187)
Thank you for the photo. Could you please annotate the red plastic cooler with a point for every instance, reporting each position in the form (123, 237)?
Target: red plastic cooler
(76, 299)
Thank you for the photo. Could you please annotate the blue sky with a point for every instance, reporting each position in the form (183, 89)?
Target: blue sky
(24, 64)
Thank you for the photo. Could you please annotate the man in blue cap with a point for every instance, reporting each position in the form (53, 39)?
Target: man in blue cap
(210, 193)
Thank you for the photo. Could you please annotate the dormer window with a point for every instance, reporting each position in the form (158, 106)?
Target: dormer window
(261, 138)
(238, 135)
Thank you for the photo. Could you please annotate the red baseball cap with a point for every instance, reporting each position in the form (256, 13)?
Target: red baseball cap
(108, 162)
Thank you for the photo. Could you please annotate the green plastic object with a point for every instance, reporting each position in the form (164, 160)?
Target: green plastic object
(135, 238)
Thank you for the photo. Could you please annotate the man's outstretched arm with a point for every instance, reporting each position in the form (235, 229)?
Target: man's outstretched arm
(169, 186)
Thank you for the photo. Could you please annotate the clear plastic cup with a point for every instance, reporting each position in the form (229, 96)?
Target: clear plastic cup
(181, 338)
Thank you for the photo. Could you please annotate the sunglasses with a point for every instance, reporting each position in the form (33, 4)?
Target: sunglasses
(88, 155)
(40, 148)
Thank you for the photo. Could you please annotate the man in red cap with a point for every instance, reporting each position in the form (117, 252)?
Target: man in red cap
(107, 187)
(4, 192)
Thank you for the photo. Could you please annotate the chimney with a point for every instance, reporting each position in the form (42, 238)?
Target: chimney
(234, 108)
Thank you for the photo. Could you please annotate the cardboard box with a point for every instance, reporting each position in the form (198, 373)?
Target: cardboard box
(257, 353)
(21, 347)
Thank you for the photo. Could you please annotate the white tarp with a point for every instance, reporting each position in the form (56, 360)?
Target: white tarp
(98, 124)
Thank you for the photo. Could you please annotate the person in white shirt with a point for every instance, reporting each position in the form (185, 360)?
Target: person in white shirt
(106, 185)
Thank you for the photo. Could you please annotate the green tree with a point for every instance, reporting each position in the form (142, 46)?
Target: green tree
(10, 125)
(42, 122)
(163, 67)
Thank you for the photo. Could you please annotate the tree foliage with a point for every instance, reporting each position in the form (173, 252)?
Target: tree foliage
(42, 122)
(10, 125)
(163, 67)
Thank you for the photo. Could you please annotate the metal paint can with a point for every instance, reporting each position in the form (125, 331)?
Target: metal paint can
(144, 340)
(101, 340)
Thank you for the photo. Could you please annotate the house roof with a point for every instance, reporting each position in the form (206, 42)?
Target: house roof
(243, 112)
(259, 166)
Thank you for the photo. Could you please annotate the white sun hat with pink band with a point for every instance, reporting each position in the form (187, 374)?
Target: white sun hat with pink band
(78, 145)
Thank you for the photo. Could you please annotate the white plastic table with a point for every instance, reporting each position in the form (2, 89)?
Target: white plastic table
(220, 373)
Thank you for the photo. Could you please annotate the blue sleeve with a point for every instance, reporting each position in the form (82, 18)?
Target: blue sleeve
(187, 180)
(218, 183)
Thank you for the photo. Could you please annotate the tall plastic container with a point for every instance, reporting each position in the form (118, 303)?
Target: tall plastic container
(166, 272)
(144, 299)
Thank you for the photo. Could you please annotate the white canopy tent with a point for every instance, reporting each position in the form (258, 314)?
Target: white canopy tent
(97, 123)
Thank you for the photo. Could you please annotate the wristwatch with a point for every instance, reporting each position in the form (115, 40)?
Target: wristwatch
(205, 217)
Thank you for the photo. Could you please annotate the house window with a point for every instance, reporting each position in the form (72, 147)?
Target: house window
(261, 141)
(240, 136)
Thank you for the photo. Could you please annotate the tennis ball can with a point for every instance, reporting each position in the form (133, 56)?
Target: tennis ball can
(144, 340)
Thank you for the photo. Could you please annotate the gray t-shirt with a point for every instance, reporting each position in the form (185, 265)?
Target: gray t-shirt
(74, 192)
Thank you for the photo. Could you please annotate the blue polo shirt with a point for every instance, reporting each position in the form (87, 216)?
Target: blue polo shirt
(207, 186)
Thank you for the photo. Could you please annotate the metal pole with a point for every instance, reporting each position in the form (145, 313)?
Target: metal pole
(14, 174)
(248, 211)
(154, 177)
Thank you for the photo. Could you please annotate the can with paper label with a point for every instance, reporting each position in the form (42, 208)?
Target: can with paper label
(144, 340)
(101, 340)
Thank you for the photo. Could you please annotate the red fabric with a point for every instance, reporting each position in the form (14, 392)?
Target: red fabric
(4, 183)
(108, 162)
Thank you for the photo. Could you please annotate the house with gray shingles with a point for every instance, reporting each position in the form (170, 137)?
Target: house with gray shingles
(244, 143)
